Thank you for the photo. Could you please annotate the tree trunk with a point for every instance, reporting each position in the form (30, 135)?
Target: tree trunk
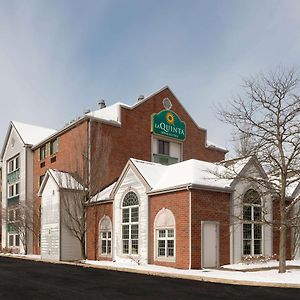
(282, 249)
(83, 254)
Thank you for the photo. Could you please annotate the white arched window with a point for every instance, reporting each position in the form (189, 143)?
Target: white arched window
(252, 223)
(130, 224)
(164, 226)
(105, 228)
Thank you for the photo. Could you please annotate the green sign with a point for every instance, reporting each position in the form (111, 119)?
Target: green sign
(167, 123)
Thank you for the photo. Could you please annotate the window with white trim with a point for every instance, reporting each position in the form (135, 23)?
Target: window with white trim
(13, 164)
(13, 240)
(164, 226)
(105, 232)
(252, 223)
(130, 224)
(13, 190)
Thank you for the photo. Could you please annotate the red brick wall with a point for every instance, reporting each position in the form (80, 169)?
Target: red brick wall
(178, 203)
(210, 206)
(112, 146)
(276, 233)
(72, 144)
(94, 215)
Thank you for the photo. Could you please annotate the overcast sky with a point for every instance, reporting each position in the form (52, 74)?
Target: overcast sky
(57, 58)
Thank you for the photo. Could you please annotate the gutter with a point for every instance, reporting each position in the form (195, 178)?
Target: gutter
(75, 123)
(192, 186)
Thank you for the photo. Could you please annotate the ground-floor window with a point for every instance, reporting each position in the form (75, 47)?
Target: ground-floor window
(13, 240)
(106, 242)
(165, 243)
(165, 237)
(105, 236)
(252, 223)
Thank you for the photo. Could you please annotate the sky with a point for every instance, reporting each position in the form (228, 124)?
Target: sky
(58, 58)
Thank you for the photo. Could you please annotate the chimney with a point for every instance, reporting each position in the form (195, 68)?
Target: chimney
(141, 97)
(101, 104)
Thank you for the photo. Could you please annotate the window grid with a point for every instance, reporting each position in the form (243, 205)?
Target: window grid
(165, 243)
(106, 242)
(130, 224)
(252, 223)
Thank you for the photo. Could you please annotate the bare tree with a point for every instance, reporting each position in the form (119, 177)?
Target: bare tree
(20, 219)
(267, 114)
(88, 167)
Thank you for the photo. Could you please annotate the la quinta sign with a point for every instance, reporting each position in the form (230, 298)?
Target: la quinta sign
(167, 123)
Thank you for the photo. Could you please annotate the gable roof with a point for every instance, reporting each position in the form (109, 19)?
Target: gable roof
(112, 115)
(63, 180)
(29, 134)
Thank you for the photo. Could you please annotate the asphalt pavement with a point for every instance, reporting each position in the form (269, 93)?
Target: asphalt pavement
(25, 279)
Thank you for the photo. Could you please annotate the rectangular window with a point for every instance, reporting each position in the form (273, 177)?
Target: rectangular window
(106, 242)
(13, 190)
(53, 147)
(43, 152)
(11, 240)
(165, 243)
(163, 147)
(13, 164)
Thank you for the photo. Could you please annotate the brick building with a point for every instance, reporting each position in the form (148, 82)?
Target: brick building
(97, 146)
(183, 215)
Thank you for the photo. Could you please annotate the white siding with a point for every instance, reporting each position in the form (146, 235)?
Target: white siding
(50, 221)
(236, 237)
(12, 149)
(70, 245)
(131, 182)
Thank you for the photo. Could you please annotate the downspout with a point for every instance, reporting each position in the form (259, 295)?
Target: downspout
(25, 183)
(89, 183)
(190, 226)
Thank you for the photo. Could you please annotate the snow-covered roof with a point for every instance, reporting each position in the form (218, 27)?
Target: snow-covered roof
(31, 134)
(63, 180)
(189, 172)
(211, 144)
(110, 113)
(104, 195)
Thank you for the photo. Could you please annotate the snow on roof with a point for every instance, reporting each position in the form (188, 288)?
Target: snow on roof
(32, 134)
(110, 113)
(104, 195)
(65, 180)
(189, 172)
(214, 145)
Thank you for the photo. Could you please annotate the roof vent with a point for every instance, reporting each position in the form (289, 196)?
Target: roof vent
(101, 104)
(86, 111)
(141, 97)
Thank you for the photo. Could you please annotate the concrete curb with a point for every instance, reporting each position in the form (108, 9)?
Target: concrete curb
(164, 274)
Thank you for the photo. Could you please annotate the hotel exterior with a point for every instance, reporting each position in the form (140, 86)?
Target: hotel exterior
(156, 186)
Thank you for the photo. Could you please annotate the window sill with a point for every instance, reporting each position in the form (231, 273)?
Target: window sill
(165, 259)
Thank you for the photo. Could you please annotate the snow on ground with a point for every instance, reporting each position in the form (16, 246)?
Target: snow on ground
(30, 256)
(260, 265)
(292, 276)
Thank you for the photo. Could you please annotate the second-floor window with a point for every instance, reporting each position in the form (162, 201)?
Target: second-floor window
(13, 164)
(163, 147)
(43, 152)
(53, 147)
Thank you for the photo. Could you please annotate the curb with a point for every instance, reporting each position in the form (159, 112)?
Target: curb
(164, 274)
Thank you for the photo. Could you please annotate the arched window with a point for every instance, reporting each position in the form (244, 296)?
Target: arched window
(105, 229)
(252, 223)
(130, 224)
(164, 226)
